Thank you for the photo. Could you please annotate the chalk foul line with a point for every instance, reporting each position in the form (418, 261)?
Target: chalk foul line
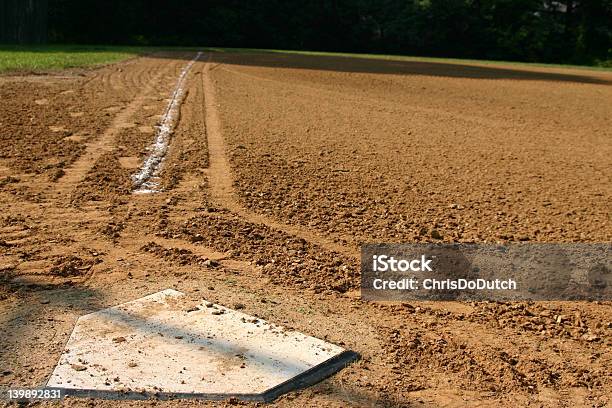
(146, 180)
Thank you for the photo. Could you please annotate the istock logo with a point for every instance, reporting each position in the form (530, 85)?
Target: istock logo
(385, 263)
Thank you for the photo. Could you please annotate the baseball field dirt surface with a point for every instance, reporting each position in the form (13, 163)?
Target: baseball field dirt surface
(277, 168)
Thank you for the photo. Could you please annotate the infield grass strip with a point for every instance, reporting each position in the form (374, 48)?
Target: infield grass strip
(57, 57)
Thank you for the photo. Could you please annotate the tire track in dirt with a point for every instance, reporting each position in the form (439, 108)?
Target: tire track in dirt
(144, 179)
(105, 142)
(221, 181)
(59, 228)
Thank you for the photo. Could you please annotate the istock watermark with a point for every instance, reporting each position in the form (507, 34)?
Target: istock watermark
(521, 271)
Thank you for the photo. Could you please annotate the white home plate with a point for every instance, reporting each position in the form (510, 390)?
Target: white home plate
(168, 346)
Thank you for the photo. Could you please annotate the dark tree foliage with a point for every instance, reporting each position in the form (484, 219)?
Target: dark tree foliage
(23, 21)
(578, 31)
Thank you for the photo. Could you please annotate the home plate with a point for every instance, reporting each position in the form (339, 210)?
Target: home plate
(166, 345)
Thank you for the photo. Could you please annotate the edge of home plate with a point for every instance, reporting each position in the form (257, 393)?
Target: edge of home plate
(166, 346)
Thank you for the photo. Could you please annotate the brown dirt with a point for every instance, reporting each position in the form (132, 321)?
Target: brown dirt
(279, 168)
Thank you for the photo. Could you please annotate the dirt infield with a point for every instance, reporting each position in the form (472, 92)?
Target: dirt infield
(279, 168)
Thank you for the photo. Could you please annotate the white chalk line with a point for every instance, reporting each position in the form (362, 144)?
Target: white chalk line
(146, 179)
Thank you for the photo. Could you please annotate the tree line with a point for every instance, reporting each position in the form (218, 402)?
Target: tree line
(23, 21)
(562, 31)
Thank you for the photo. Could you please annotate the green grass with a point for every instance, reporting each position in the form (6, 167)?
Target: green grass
(604, 67)
(58, 57)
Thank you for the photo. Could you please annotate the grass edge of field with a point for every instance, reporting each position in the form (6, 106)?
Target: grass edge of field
(59, 57)
(54, 58)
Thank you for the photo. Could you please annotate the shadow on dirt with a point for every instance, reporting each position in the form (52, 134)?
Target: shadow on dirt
(382, 66)
(28, 304)
(348, 395)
